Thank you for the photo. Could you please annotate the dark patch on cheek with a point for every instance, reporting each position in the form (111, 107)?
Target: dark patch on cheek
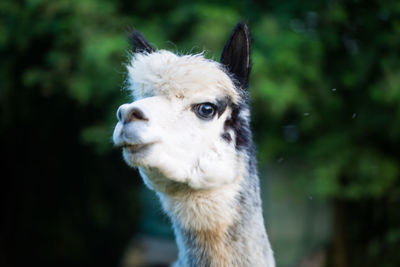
(227, 137)
(228, 124)
(240, 127)
(222, 104)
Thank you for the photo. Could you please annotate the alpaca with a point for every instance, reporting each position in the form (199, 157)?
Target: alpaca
(188, 134)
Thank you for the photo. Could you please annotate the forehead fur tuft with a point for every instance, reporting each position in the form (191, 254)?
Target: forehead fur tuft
(165, 73)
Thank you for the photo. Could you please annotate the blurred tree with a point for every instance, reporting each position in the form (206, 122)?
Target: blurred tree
(333, 114)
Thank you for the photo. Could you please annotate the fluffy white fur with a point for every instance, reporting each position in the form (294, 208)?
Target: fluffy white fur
(187, 76)
(183, 147)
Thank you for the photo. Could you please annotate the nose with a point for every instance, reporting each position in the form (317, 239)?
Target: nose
(127, 114)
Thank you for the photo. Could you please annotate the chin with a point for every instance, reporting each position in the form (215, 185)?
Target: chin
(136, 156)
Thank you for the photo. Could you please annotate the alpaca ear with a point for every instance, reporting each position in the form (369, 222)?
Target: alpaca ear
(236, 54)
(139, 43)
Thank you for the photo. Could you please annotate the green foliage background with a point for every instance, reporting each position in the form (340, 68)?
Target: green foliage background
(326, 112)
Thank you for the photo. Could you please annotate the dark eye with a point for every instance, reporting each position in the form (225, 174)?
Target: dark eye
(205, 111)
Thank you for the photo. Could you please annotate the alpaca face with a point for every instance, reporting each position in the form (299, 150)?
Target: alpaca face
(189, 122)
(176, 130)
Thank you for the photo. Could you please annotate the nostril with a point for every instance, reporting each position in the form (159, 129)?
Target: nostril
(136, 114)
(127, 114)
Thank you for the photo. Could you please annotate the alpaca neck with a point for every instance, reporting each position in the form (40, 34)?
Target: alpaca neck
(220, 227)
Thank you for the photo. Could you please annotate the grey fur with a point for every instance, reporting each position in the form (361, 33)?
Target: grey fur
(249, 226)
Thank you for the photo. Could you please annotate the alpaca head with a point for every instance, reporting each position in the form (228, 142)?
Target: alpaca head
(188, 123)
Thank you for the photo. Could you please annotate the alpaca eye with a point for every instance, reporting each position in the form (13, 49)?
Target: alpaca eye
(205, 111)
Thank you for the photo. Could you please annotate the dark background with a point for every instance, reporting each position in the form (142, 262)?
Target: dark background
(326, 117)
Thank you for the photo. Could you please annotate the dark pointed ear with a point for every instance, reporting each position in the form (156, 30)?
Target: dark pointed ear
(236, 54)
(139, 43)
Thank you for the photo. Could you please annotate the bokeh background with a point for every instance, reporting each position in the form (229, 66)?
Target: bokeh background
(325, 93)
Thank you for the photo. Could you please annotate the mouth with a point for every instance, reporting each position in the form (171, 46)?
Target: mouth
(135, 148)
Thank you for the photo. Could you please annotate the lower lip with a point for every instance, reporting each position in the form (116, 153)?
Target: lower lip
(135, 148)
